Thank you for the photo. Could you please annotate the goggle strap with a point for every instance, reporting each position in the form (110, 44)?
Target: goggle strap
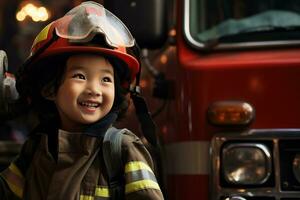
(148, 126)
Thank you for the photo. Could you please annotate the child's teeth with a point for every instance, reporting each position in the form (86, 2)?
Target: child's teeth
(89, 104)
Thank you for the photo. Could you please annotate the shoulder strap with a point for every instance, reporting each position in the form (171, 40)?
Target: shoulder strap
(112, 153)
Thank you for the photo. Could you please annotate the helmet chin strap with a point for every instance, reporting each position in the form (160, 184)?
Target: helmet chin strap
(148, 126)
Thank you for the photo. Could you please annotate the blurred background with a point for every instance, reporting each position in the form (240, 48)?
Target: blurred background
(21, 21)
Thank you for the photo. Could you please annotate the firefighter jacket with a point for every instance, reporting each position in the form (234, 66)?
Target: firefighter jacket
(75, 169)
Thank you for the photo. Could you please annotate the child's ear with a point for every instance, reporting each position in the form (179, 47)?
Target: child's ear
(48, 93)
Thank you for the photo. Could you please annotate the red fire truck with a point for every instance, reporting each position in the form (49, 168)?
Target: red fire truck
(226, 94)
(223, 85)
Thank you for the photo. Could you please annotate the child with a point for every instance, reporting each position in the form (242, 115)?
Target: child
(75, 79)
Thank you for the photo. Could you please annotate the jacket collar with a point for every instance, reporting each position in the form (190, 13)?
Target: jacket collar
(99, 128)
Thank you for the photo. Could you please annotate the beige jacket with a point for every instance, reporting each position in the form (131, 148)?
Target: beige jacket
(78, 172)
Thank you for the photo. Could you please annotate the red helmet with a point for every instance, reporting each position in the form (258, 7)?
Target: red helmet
(74, 32)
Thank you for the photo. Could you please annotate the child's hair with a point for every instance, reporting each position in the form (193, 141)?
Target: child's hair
(44, 79)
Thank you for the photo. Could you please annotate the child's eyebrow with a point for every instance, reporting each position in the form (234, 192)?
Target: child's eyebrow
(76, 67)
(80, 67)
(110, 71)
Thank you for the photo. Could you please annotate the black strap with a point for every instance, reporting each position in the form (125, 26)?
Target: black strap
(112, 153)
(147, 124)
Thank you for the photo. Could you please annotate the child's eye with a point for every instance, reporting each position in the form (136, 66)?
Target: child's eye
(79, 76)
(106, 79)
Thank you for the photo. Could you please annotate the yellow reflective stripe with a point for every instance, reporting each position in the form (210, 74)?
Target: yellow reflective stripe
(86, 197)
(141, 185)
(15, 189)
(102, 192)
(42, 35)
(15, 170)
(136, 165)
(14, 179)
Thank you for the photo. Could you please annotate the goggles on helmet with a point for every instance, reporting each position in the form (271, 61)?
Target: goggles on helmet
(83, 22)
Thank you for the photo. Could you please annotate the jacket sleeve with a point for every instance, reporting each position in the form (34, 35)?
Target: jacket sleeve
(12, 179)
(140, 179)
(5, 192)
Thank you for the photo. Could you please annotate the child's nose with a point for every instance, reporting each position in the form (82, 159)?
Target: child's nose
(94, 90)
(94, 93)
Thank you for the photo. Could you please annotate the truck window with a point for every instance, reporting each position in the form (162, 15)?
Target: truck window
(233, 21)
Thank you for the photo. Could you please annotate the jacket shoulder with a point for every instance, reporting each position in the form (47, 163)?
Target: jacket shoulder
(129, 137)
(141, 182)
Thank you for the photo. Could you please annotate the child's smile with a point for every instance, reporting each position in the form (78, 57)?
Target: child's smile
(87, 91)
(89, 105)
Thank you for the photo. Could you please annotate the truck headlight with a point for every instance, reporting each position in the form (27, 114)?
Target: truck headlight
(296, 167)
(246, 163)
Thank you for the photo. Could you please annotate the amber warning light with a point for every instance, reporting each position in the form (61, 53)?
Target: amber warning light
(36, 13)
(230, 113)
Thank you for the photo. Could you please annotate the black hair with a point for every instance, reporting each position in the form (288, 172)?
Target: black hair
(44, 77)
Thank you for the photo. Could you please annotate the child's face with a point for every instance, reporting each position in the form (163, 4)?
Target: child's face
(87, 91)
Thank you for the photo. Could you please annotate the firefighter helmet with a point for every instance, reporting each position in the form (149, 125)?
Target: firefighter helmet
(74, 32)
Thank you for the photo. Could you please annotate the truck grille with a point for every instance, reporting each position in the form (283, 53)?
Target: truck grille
(288, 149)
(281, 182)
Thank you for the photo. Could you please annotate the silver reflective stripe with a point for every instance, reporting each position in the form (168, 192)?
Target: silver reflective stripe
(139, 175)
(187, 158)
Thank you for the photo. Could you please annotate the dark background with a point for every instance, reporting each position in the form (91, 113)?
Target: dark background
(16, 37)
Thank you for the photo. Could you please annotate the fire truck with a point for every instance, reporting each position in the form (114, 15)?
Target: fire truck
(222, 81)
(223, 85)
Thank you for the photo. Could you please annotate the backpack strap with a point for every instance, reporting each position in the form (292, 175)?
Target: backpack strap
(112, 153)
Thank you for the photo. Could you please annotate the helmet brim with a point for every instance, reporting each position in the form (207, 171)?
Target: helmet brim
(132, 64)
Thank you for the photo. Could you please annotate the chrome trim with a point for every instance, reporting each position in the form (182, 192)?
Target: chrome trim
(177, 163)
(273, 135)
(240, 45)
(262, 147)
(235, 198)
(276, 161)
